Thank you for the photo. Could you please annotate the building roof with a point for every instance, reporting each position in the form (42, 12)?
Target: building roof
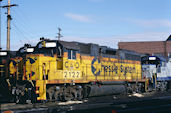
(169, 38)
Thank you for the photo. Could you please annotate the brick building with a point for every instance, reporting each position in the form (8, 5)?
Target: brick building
(161, 48)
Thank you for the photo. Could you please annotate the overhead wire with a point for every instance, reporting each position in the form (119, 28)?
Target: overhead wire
(0, 25)
(21, 24)
(18, 34)
(24, 25)
(21, 32)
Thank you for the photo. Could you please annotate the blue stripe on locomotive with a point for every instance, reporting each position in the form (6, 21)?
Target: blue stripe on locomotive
(163, 78)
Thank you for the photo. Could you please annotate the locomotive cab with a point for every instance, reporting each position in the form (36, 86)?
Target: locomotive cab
(27, 49)
(53, 62)
(152, 65)
(63, 57)
(17, 63)
(155, 70)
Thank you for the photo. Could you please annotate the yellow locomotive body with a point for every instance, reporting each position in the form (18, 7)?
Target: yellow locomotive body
(69, 66)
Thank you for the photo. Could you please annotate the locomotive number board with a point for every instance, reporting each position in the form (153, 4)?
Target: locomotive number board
(71, 74)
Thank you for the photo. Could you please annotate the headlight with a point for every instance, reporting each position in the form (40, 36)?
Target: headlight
(3, 53)
(50, 44)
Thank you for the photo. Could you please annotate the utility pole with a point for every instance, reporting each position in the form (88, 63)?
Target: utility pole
(59, 33)
(8, 22)
(0, 24)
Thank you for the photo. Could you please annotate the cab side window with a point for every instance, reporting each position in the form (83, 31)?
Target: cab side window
(59, 51)
(69, 54)
(72, 54)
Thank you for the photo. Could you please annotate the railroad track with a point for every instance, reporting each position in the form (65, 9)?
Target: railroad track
(121, 104)
(148, 106)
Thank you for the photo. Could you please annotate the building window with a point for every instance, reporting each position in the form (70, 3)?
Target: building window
(71, 54)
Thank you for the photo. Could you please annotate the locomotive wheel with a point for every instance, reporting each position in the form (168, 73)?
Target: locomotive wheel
(74, 93)
(129, 89)
(50, 93)
(19, 96)
(24, 93)
(162, 86)
(140, 88)
(86, 91)
(80, 95)
(66, 97)
(57, 95)
(67, 94)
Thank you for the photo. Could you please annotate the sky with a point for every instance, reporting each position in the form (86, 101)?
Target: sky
(104, 22)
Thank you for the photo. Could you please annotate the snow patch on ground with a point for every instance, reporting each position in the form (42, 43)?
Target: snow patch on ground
(72, 102)
(136, 95)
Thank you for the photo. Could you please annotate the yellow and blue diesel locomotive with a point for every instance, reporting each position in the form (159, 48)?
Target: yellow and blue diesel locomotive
(4, 58)
(60, 70)
(11, 63)
(5, 92)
